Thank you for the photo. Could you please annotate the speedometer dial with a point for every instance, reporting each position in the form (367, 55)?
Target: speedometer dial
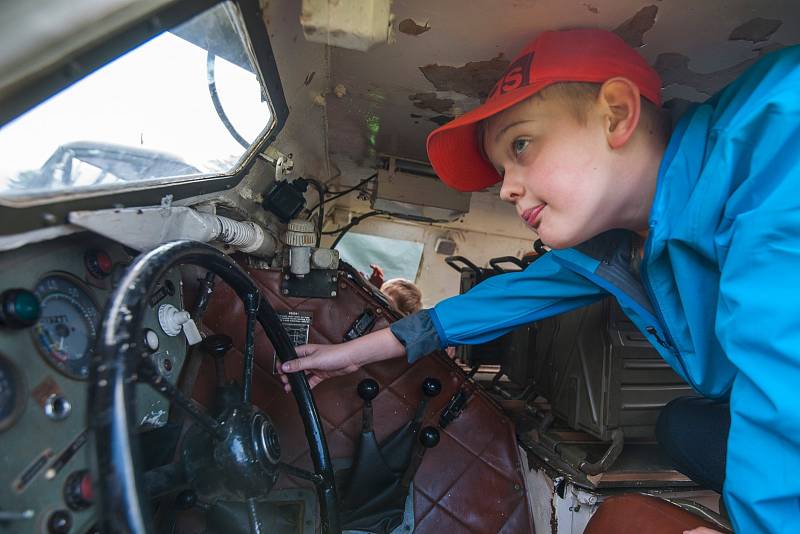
(67, 327)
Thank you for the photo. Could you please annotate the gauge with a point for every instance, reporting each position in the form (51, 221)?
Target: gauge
(11, 394)
(67, 327)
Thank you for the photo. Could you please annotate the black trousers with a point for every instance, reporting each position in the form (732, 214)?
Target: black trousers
(693, 431)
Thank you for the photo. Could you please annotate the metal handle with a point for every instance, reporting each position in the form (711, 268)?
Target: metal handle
(496, 262)
(453, 261)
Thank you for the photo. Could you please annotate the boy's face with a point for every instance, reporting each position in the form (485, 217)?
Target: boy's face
(556, 171)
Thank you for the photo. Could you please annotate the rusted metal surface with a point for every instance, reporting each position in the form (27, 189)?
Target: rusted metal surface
(408, 26)
(432, 102)
(632, 30)
(755, 30)
(674, 69)
(474, 79)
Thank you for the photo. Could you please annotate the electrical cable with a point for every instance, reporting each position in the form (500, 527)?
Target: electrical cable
(337, 194)
(344, 229)
(321, 215)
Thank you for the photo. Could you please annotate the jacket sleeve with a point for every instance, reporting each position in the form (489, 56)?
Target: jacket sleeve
(500, 303)
(758, 322)
(758, 325)
(496, 306)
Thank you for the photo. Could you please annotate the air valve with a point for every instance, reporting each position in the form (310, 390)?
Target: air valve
(300, 237)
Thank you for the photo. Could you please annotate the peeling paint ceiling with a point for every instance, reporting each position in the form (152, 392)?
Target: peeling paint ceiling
(445, 55)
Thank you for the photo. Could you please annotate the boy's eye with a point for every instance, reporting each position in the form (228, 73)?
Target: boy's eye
(518, 145)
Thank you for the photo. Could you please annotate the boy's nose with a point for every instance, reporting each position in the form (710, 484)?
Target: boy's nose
(511, 190)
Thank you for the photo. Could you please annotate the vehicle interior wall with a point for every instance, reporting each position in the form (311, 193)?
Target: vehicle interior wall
(491, 229)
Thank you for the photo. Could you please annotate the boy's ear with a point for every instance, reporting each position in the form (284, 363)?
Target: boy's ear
(621, 105)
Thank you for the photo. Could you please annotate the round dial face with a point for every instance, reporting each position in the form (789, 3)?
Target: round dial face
(67, 327)
(11, 394)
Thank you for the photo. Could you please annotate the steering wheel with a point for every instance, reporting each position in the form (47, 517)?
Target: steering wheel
(238, 450)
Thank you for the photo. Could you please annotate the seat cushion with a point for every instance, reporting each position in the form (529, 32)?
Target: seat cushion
(634, 513)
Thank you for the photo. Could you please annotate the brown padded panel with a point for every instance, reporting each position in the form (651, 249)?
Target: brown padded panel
(635, 513)
(471, 482)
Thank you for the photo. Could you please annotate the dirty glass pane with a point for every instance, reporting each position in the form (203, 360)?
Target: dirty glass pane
(397, 257)
(149, 115)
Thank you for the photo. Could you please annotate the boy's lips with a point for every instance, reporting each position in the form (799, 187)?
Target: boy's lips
(531, 215)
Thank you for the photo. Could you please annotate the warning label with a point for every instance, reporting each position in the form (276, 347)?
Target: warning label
(297, 325)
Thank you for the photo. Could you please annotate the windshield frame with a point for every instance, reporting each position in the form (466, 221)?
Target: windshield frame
(31, 213)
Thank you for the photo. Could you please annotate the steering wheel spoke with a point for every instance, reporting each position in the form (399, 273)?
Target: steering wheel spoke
(148, 373)
(251, 303)
(252, 515)
(297, 472)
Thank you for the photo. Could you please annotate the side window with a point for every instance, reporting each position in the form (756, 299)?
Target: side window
(398, 258)
(186, 103)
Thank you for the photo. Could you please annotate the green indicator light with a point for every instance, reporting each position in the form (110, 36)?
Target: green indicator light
(26, 306)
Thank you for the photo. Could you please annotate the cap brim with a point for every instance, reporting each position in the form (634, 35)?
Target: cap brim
(454, 151)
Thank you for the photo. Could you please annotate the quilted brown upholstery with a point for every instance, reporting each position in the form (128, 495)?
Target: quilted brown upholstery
(642, 514)
(471, 482)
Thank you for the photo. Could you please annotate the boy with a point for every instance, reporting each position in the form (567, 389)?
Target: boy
(698, 239)
(404, 294)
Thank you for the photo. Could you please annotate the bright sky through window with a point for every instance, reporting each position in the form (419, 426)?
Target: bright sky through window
(156, 98)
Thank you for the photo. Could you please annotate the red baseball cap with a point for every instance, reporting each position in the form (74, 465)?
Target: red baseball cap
(585, 55)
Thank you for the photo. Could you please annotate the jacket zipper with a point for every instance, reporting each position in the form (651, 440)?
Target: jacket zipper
(667, 343)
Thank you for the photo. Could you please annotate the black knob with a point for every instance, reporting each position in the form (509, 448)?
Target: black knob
(429, 437)
(19, 308)
(186, 499)
(59, 522)
(78, 492)
(431, 387)
(368, 389)
(217, 345)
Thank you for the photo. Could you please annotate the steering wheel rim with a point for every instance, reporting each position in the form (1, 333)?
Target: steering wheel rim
(122, 499)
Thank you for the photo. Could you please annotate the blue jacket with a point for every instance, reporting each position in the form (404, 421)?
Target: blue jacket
(718, 292)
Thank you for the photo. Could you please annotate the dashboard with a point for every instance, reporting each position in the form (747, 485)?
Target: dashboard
(53, 297)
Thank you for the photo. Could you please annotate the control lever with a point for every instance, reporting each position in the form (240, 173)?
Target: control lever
(431, 387)
(428, 438)
(369, 472)
(217, 346)
(227, 393)
(368, 389)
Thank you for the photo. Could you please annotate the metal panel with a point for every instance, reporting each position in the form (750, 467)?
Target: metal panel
(599, 373)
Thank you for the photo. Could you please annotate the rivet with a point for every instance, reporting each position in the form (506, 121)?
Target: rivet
(333, 293)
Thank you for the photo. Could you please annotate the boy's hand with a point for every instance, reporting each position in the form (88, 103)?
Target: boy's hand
(319, 362)
(377, 276)
(701, 530)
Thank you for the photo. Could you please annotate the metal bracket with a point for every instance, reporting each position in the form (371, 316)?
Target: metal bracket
(318, 283)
